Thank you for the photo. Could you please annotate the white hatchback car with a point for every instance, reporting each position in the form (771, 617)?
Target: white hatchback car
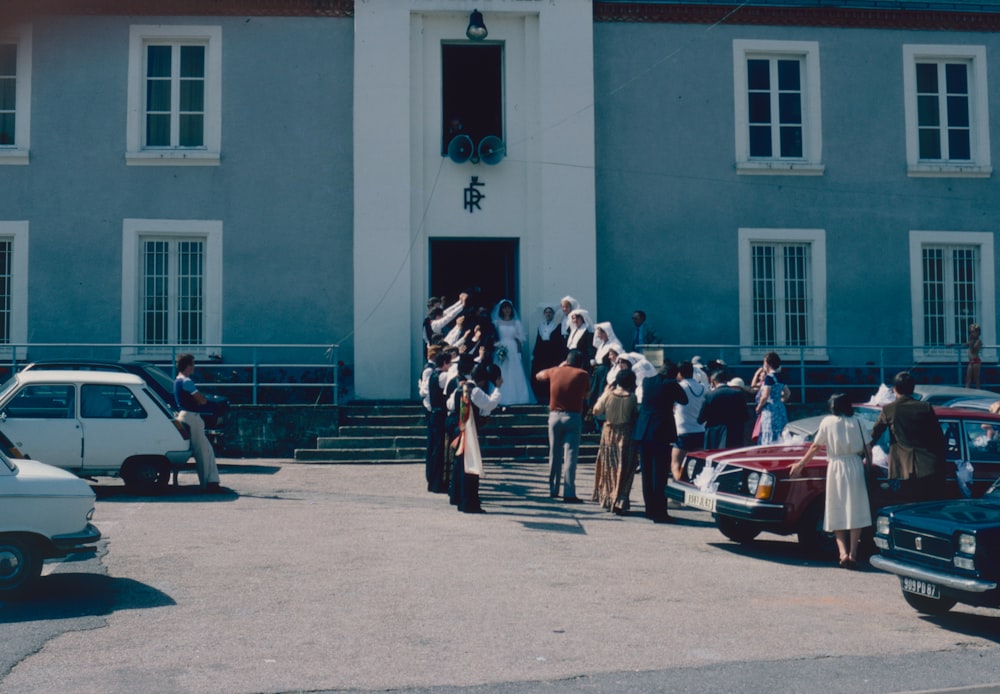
(94, 423)
(45, 513)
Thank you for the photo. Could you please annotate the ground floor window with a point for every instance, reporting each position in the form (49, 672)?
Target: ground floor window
(782, 292)
(172, 285)
(951, 288)
(13, 283)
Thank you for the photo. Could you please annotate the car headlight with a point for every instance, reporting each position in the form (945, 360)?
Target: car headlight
(882, 525)
(691, 463)
(753, 481)
(765, 486)
(967, 544)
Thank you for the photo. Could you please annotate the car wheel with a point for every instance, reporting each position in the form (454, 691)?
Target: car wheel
(813, 540)
(146, 475)
(20, 564)
(921, 603)
(735, 530)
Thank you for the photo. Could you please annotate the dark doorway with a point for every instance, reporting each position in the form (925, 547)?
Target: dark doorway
(488, 265)
(472, 91)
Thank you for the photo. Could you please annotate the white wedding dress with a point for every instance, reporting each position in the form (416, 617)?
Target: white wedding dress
(515, 389)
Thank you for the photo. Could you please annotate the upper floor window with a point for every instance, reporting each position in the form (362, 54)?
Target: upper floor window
(777, 101)
(952, 284)
(471, 93)
(947, 117)
(15, 95)
(175, 95)
(172, 285)
(782, 291)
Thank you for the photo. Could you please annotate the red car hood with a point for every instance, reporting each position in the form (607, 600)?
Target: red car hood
(764, 458)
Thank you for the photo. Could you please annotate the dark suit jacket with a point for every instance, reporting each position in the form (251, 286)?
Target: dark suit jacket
(656, 411)
(918, 445)
(585, 345)
(724, 414)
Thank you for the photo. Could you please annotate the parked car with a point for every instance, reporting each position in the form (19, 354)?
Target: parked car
(804, 429)
(45, 513)
(94, 423)
(944, 552)
(749, 491)
(155, 377)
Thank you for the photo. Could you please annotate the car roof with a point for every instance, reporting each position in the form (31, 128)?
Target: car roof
(928, 391)
(62, 376)
(63, 363)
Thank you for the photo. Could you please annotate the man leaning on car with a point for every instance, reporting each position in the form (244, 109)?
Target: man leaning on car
(189, 400)
(917, 451)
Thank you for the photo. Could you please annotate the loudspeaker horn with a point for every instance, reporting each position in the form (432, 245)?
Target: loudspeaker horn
(491, 150)
(460, 149)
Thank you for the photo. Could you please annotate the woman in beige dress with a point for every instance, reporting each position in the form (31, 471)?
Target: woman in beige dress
(617, 455)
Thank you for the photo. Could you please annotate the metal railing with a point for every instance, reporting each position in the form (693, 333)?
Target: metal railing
(814, 372)
(245, 373)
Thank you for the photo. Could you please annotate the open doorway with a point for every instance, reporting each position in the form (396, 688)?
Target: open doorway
(486, 266)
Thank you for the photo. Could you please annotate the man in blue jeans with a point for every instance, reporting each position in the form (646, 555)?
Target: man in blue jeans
(569, 386)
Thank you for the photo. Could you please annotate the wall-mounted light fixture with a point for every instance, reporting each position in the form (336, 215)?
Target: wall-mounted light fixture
(477, 29)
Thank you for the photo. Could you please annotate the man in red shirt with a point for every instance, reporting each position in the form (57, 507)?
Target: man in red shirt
(569, 386)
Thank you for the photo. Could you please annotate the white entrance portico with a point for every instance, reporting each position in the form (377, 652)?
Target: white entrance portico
(406, 192)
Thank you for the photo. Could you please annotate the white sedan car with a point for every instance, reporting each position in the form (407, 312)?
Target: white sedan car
(94, 423)
(45, 513)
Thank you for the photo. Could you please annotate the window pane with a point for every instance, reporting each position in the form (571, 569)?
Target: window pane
(158, 61)
(790, 108)
(956, 78)
(958, 112)
(965, 270)
(192, 61)
(760, 141)
(791, 142)
(930, 144)
(933, 285)
(788, 75)
(959, 146)
(758, 74)
(190, 295)
(157, 95)
(158, 131)
(8, 59)
(192, 96)
(7, 129)
(8, 94)
(762, 258)
(760, 108)
(192, 131)
(927, 111)
(927, 79)
(156, 265)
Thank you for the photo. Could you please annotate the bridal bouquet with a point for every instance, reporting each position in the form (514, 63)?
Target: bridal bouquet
(500, 355)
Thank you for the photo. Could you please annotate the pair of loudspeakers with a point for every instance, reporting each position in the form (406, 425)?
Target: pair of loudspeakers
(490, 151)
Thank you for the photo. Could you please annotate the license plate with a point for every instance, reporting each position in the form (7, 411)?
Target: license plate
(918, 587)
(697, 500)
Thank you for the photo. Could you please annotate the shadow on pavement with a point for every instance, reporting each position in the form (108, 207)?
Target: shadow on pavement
(73, 595)
(184, 493)
(779, 552)
(983, 626)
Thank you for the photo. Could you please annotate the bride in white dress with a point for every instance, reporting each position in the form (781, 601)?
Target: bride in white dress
(507, 355)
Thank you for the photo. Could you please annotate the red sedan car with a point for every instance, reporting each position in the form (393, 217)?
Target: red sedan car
(749, 491)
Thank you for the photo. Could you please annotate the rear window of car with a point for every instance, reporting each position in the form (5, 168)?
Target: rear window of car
(101, 401)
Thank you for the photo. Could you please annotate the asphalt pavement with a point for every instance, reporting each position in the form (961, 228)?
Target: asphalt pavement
(354, 578)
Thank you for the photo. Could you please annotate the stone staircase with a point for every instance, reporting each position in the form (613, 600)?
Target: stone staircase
(379, 432)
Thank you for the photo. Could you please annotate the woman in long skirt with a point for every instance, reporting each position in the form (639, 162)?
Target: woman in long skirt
(617, 455)
(847, 507)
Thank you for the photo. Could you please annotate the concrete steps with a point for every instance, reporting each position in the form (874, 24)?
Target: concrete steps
(394, 432)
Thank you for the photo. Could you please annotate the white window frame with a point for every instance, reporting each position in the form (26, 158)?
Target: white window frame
(133, 233)
(987, 291)
(816, 238)
(209, 155)
(979, 166)
(18, 154)
(811, 163)
(17, 233)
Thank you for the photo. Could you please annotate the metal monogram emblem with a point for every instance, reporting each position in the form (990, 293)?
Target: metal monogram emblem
(473, 196)
(919, 543)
